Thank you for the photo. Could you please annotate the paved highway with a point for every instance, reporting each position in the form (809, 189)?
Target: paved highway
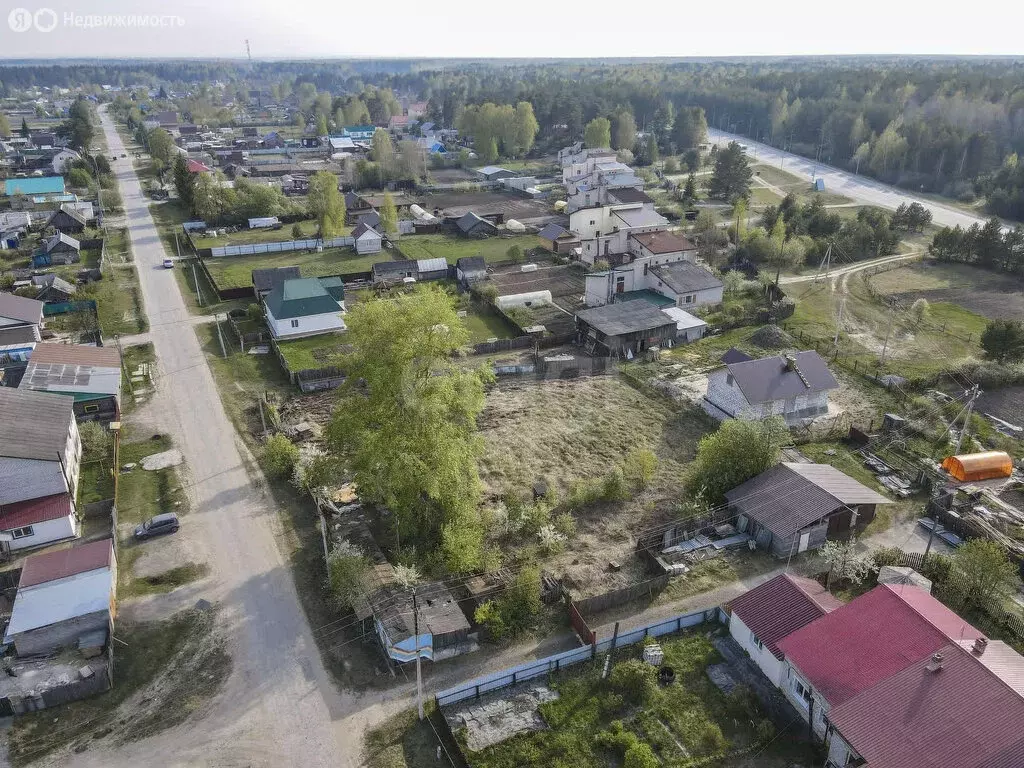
(858, 188)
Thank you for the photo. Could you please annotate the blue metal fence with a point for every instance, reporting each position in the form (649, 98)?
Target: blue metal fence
(531, 669)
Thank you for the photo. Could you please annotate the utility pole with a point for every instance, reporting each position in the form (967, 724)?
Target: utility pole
(975, 392)
(419, 675)
(888, 331)
(220, 336)
(839, 321)
(195, 281)
(124, 370)
(826, 263)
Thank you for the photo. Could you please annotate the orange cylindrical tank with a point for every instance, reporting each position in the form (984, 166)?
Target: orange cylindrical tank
(979, 466)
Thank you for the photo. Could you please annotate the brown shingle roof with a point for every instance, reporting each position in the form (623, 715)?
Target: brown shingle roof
(76, 354)
(663, 242)
(66, 562)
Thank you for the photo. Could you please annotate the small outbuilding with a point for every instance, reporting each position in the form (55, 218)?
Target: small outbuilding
(471, 225)
(67, 219)
(493, 173)
(265, 280)
(974, 467)
(58, 249)
(444, 630)
(470, 270)
(367, 239)
(624, 329)
(558, 239)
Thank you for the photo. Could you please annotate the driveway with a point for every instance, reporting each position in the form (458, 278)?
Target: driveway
(279, 707)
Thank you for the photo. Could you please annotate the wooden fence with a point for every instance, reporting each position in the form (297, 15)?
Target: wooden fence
(645, 590)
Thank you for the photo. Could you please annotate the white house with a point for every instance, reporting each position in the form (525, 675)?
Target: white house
(368, 240)
(604, 230)
(578, 161)
(794, 387)
(62, 159)
(40, 448)
(762, 617)
(35, 522)
(672, 276)
(305, 306)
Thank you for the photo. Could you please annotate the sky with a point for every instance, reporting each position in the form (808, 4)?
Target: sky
(528, 28)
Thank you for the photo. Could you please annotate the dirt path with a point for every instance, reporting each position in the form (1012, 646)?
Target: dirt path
(279, 707)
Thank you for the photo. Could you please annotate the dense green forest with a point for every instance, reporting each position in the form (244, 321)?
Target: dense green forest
(950, 126)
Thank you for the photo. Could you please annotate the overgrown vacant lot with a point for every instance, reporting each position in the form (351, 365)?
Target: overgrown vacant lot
(991, 294)
(265, 235)
(581, 428)
(453, 248)
(687, 723)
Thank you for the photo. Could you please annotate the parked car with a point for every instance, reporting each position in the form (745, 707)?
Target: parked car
(157, 526)
(168, 263)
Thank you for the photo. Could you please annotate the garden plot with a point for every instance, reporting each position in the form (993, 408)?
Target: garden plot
(594, 721)
(512, 206)
(993, 295)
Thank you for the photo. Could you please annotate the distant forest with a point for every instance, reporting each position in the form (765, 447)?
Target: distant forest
(950, 126)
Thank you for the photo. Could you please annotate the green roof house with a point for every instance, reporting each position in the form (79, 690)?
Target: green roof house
(306, 306)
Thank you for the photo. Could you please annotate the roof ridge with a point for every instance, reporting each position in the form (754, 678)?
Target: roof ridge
(897, 589)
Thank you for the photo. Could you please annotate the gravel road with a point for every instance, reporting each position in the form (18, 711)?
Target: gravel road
(279, 707)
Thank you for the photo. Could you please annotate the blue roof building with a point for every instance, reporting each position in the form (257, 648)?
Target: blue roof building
(35, 185)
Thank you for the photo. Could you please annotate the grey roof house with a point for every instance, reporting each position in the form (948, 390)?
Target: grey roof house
(20, 319)
(687, 284)
(40, 448)
(470, 270)
(794, 387)
(794, 507)
(67, 219)
(471, 225)
(265, 280)
(444, 630)
(53, 288)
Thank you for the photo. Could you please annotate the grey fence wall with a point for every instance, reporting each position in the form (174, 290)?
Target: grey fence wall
(280, 247)
(643, 590)
(530, 670)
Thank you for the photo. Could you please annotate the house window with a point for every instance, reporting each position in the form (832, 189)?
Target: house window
(21, 533)
(803, 693)
(645, 269)
(91, 408)
(295, 323)
(756, 642)
(689, 299)
(729, 379)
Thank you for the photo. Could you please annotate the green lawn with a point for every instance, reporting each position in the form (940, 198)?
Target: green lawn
(141, 493)
(483, 322)
(314, 352)
(250, 236)
(452, 248)
(236, 271)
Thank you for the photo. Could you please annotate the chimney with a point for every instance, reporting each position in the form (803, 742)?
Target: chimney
(979, 646)
(936, 663)
(792, 367)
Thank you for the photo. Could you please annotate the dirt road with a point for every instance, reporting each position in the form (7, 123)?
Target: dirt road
(279, 707)
(851, 268)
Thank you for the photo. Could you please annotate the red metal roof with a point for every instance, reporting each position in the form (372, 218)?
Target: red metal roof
(959, 717)
(872, 638)
(34, 511)
(66, 562)
(194, 166)
(781, 606)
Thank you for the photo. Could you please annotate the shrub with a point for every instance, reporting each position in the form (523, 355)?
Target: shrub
(488, 615)
(765, 731)
(254, 312)
(551, 541)
(711, 740)
(614, 487)
(565, 524)
(888, 556)
(639, 755)
(514, 254)
(280, 456)
(584, 493)
(347, 568)
(296, 232)
(639, 467)
(633, 680)
(95, 440)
